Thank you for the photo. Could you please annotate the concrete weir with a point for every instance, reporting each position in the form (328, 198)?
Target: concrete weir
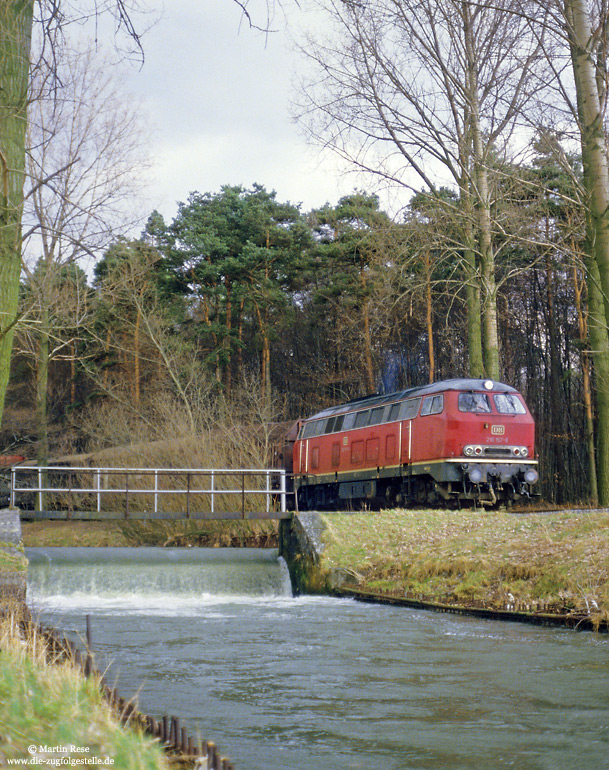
(13, 564)
(301, 545)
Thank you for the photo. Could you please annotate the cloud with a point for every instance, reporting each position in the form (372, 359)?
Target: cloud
(204, 162)
(218, 97)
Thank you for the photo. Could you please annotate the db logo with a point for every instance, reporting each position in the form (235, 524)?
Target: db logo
(497, 430)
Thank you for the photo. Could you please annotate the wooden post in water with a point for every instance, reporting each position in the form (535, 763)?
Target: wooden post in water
(211, 756)
(88, 668)
(89, 643)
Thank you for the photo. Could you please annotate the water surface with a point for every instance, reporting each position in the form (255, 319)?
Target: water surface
(214, 637)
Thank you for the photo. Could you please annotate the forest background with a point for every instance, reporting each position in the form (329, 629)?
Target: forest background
(245, 311)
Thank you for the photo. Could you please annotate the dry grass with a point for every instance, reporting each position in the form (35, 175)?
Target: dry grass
(497, 558)
(212, 534)
(96, 534)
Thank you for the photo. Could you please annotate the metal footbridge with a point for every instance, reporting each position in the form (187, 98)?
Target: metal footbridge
(147, 494)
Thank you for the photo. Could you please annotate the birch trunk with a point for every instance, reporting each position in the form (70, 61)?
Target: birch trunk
(472, 289)
(599, 342)
(596, 183)
(593, 140)
(15, 36)
(429, 317)
(586, 385)
(482, 209)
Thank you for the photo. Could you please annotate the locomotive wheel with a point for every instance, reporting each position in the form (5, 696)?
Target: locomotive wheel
(390, 496)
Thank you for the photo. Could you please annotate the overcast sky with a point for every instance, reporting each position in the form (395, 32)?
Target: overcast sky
(218, 97)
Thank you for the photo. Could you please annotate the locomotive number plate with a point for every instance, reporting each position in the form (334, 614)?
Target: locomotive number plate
(497, 430)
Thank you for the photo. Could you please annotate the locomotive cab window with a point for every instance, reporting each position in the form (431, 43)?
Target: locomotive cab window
(319, 427)
(361, 419)
(394, 412)
(474, 402)
(376, 415)
(314, 428)
(410, 408)
(308, 430)
(506, 403)
(432, 405)
(338, 423)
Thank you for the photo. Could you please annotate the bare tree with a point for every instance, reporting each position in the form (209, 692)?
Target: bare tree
(84, 163)
(19, 19)
(428, 92)
(139, 334)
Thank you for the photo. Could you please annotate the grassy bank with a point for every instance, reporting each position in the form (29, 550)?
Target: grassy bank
(12, 559)
(51, 712)
(465, 557)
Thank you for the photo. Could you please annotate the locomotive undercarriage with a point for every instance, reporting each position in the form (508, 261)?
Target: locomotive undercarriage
(453, 484)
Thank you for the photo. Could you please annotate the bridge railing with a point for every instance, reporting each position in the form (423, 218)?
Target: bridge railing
(149, 492)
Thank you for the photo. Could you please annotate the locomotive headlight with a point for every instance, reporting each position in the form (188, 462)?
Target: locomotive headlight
(468, 451)
(524, 451)
(531, 476)
(475, 475)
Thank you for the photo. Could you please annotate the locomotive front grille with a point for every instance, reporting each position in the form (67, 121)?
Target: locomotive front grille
(479, 450)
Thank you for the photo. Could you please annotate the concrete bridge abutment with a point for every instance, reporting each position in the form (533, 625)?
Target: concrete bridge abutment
(13, 564)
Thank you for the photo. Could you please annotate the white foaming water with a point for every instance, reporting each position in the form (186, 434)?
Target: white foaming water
(154, 581)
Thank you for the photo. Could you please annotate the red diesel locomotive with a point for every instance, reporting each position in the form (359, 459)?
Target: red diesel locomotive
(457, 441)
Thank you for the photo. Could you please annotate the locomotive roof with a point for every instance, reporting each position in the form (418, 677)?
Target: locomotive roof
(422, 390)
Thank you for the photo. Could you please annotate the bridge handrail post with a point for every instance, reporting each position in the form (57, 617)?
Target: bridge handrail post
(127, 495)
(268, 490)
(39, 488)
(98, 485)
(188, 495)
(13, 482)
(156, 490)
(243, 494)
(282, 490)
(212, 486)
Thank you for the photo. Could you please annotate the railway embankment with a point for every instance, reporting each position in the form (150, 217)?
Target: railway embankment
(539, 567)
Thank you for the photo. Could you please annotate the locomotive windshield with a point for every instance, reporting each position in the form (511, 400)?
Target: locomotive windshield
(474, 402)
(506, 403)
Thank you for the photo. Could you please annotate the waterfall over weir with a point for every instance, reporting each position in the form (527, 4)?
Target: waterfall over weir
(167, 580)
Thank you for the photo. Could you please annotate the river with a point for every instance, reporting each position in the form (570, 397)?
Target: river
(215, 637)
